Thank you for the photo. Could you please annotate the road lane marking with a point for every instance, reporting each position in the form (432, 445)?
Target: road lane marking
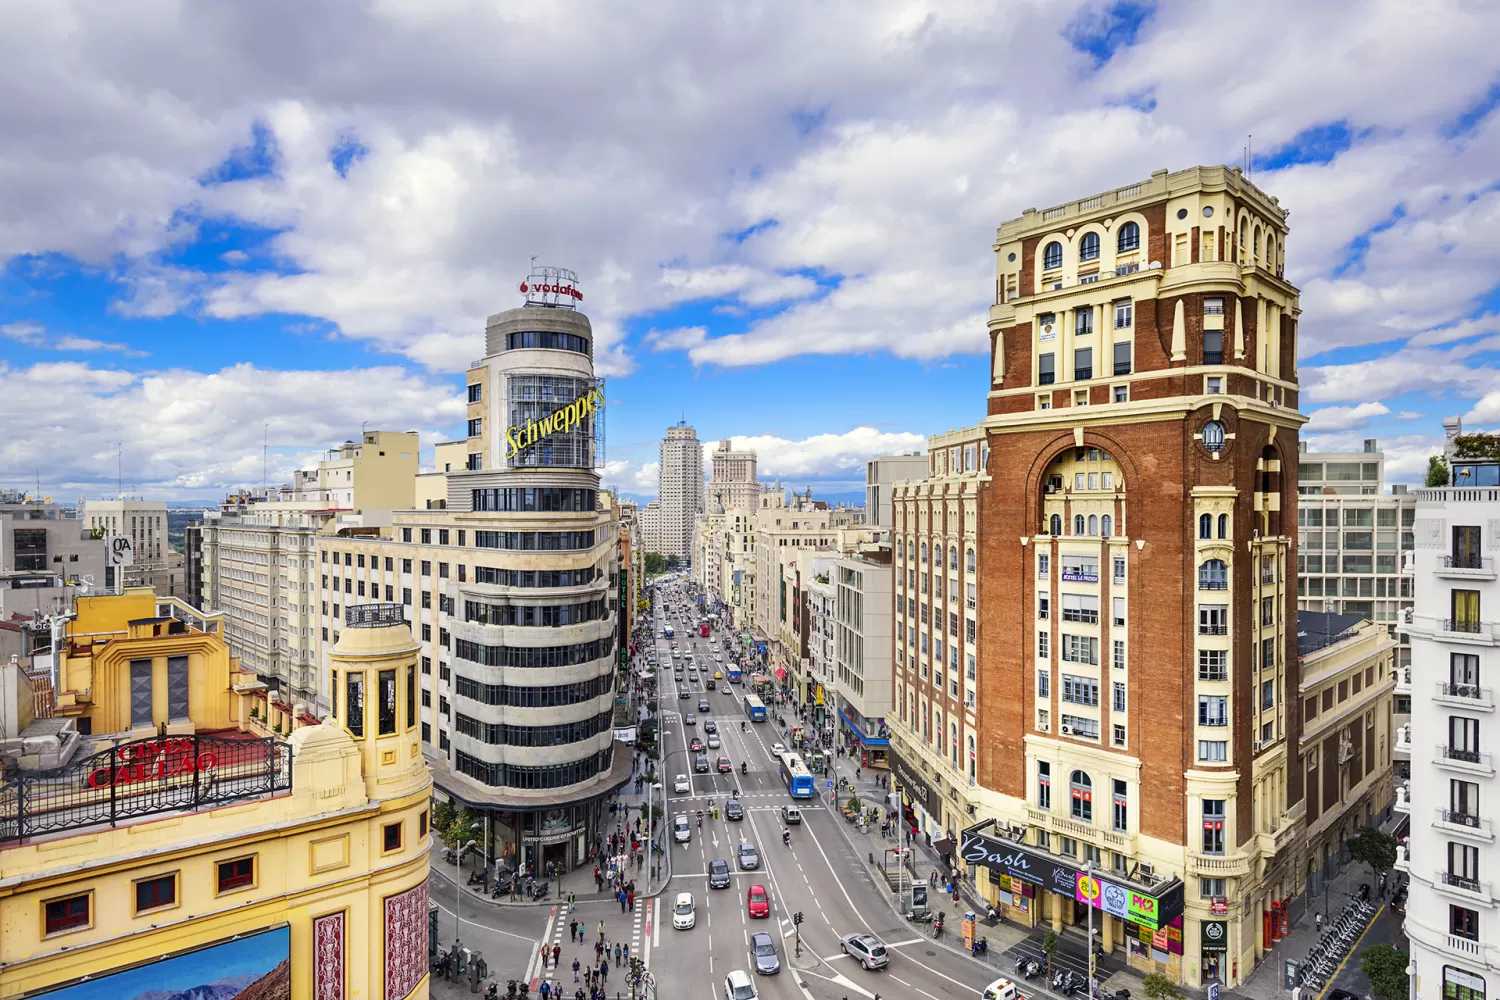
(903, 944)
(492, 930)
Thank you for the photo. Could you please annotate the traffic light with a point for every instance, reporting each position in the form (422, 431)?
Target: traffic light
(797, 917)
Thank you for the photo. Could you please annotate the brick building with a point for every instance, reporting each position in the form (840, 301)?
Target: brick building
(1137, 656)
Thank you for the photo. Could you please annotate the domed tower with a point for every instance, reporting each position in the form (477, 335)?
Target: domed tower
(373, 695)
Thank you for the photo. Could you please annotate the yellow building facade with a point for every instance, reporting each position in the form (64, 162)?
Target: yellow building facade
(157, 833)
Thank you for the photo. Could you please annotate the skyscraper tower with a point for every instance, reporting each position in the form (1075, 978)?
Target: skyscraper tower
(680, 489)
(1137, 652)
(732, 480)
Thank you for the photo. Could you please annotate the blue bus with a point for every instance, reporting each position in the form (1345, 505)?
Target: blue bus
(798, 779)
(755, 709)
(670, 634)
(735, 674)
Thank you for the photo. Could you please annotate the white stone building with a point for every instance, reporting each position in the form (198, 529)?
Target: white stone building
(680, 489)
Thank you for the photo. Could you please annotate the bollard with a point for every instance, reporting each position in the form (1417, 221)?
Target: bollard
(872, 857)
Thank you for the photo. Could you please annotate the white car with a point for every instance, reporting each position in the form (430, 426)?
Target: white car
(681, 784)
(682, 830)
(718, 657)
(739, 986)
(714, 743)
(1001, 989)
(684, 916)
(777, 749)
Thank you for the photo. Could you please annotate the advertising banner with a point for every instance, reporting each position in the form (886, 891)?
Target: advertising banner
(255, 965)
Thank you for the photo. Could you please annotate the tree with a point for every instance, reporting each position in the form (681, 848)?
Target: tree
(1385, 967)
(1477, 446)
(1159, 987)
(443, 815)
(1376, 849)
(1049, 945)
(1437, 471)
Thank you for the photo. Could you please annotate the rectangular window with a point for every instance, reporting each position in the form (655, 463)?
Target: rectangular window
(1075, 725)
(390, 835)
(1124, 314)
(1118, 703)
(1046, 369)
(1119, 735)
(155, 893)
(1122, 358)
(1083, 363)
(1080, 649)
(476, 392)
(1213, 710)
(1121, 811)
(1083, 322)
(177, 688)
(1210, 888)
(1213, 664)
(236, 874)
(1119, 394)
(1043, 606)
(1213, 347)
(1119, 654)
(1213, 751)
(1267, 695)
(67, 914)
(411, 696)
(1078, 690)
(1213, 619)
(1043, 562)
(1213, 826)
(141, 694)
(1213, 307)
(1463, 923)
(354, 703)
(1119, 614)
(1080, 608)
(1042, 651)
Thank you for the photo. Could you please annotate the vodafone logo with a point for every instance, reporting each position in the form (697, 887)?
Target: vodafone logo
(544, 289)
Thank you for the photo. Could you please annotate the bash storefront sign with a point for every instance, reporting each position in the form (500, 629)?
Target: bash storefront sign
(1019, 863)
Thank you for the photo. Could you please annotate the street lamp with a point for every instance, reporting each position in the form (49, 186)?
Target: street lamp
(458, 890)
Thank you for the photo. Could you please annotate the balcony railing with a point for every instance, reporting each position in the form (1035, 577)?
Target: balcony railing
(1470, 692)
(1463, 755)
(1455, 818)
(1470, 625)
(1467, 560)
(1403, 739)
(1209, 629)
(1464, 882)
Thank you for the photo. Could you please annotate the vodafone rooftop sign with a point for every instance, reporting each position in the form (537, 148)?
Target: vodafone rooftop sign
(552, 286)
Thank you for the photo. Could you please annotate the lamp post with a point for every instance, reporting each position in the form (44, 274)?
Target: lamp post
(458, 890)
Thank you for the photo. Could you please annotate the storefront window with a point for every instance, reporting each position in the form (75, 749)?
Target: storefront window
(1461, 985)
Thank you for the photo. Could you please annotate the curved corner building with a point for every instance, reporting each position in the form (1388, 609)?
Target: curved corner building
(533, 625)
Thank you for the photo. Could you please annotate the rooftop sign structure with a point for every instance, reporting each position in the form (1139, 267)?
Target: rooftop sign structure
(552, 287)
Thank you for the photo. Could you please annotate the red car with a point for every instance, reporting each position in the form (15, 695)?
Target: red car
(758, 902)
(695, 744)
(724, 766)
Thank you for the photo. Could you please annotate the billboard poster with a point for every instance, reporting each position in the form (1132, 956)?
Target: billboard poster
(253, 967)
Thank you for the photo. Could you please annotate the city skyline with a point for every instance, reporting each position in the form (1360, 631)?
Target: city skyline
(282, 264)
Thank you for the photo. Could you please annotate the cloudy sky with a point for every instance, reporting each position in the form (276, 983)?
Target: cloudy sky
(229, 224)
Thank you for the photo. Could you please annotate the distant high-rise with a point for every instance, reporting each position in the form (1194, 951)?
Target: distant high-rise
(680, 489)
(732, 479)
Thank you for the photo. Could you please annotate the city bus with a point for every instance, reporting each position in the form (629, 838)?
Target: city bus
(796, 776)
(755, 709)
(735, 674)
(670, 634)
(703, 629)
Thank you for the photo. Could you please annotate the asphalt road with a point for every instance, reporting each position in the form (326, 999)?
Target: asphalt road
(819, 874)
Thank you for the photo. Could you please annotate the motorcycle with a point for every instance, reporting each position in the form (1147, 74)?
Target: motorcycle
(510, 990)
(475, 878)
(540, 890)
(937, 926)
(981, 946)
(744, 767)
(1020, 965)
(493, 993)
(786, 837)
(1057, 980)
(450, 855)
(1033, 969)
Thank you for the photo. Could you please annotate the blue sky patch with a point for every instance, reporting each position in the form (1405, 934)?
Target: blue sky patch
(258, 159)
(345, 153)
(1471, 116)
(1101, 32)
(1315, 144)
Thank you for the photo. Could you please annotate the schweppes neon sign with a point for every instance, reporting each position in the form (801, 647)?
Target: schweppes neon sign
(563, 419)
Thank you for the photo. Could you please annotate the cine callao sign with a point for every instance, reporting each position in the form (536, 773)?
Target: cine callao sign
(562, 419)
(147, 762)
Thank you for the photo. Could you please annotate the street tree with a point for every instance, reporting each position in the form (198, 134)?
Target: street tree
(1159, 987)
(1049, 945)
(1437, 471)
(1374, 848)
(1385, 968)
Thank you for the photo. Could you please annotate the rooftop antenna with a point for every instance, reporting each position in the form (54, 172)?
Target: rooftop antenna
(265, 442)
(119, 469)
(1249, 155)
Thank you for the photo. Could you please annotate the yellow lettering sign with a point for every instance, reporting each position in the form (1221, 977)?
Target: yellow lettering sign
(564, 419)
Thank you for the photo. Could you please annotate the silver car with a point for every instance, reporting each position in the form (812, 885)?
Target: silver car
(866, 950)
(763, 950)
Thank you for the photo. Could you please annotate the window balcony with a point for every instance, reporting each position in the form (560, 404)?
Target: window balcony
(1215, 866)
(1402, 744)
(1465, 631)
(1403, 680)
(1467, 567)
(1083, 374)
(1471, 890)
(1403, 798)
(1464, 760)
(1464, 825)
(1204, 629)
(1403, 858)
(1465, 696)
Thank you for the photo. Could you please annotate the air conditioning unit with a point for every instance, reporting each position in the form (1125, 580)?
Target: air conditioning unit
(1259, 745)
(1067, 730)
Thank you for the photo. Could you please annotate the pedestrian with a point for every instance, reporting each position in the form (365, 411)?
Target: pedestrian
(617, 953)
(575, 970)
(598, 947)
(556, 955)
(1318, 921)
(604, 971)
(630, 898)
(546, 989)
(621, 897)
(572, 898)
(601, 930)
(572, 930)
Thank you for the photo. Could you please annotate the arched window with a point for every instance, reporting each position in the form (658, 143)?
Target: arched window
(1256, 245)
(973, 760)
(1052, 256)
(900, 549)
(924, 553)
(953, 557)
(953, 743)
(1213, 575)
(1077, 524)
(1083, 797)
(1093, 524)
(1223, 525)
(969, 561)
(1106, 525)
(1206, 526)
(1056, 524)
(1088, 247)
(1130, 237)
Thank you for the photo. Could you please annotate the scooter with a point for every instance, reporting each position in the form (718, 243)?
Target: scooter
(1033, 969)
(744, 767)
(476, 877)
(981, 946)
(1020, 965)
(493, 993)
(937, 926)
(450, 855)
(510, 990)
